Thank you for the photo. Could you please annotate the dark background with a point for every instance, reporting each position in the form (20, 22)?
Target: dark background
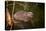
(38, 10)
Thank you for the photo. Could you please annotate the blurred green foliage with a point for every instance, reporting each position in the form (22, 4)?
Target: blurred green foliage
(36, 8)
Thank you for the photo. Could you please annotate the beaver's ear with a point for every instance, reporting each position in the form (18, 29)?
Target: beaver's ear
(30, 14)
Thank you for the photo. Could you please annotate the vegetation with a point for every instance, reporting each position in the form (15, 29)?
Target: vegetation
(36, 8)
